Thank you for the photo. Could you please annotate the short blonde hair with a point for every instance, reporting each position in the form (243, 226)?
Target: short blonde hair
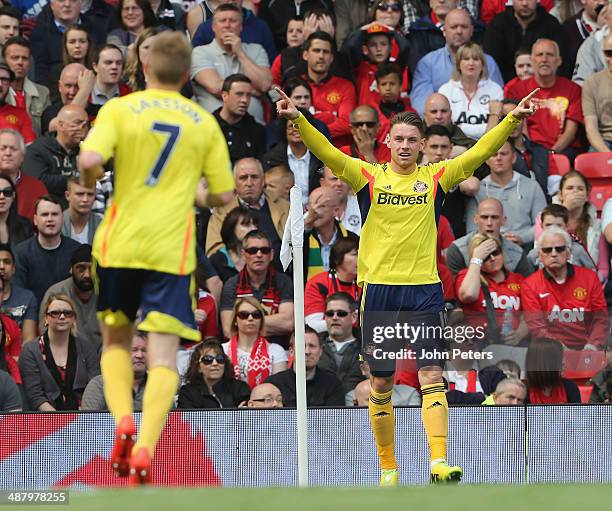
(169, 58)
(470, 49)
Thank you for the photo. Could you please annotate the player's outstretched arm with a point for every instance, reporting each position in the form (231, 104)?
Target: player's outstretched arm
(491, 141)
(90, 168)
(322, 148)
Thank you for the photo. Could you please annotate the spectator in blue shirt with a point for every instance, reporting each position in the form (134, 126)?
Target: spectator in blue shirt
(435, 68)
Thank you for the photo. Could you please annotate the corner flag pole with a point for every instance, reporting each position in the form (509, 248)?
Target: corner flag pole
(293, 243)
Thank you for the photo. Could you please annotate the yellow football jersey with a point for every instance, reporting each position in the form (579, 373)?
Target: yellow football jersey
(399, 213)
(162, 144)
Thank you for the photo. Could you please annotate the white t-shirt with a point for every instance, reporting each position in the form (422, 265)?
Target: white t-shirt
(276, 353)
(352, 216)
(471, 115)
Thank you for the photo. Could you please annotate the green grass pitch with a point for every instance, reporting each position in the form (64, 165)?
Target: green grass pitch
(568, 497)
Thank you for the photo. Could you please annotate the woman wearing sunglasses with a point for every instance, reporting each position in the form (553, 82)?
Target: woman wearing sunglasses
(253, 356)
(13, 228)
(210, 381)
(57, 366)
(491, 294)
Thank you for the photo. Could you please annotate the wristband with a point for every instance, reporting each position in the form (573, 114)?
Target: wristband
(476, 260)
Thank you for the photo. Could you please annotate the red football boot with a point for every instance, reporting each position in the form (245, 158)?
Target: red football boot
(140, 468)
(125, 438)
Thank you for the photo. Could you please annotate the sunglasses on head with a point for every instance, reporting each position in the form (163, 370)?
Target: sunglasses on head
(339, 313)
(394, 7)
(57, 313)
(247, 314)
(254, 250)
(367, 124)
(209, 359)
(495, 253)
(7, 192)
(558, 250)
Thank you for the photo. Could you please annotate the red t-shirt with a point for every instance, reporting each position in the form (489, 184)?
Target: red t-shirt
(561, 311)
(554, 105)
(322, 285)
(276, 70)
(381, 151)
(367, 91)
(29, 190)
(209, 327)
(385, 122)
(17, 119)
(505, 295)
(334, 99)
(12, 347)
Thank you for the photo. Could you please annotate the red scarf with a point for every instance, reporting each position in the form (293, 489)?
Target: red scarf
(259, 361)
(558, 395)
(271, 297)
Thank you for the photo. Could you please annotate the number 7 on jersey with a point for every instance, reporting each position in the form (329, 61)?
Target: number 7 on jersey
(172, 131)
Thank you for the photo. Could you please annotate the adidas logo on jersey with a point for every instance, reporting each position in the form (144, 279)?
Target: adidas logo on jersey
(381, 414)
(435, 404)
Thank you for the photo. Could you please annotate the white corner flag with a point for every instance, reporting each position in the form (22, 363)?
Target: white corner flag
(291, 248)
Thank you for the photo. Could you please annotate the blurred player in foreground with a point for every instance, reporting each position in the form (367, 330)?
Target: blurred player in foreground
(144, 249)
(400, 204)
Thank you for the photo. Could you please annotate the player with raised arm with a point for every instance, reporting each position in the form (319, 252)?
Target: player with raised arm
(144, 249)
(400, 204)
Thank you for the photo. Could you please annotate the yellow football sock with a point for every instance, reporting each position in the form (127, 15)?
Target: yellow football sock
(383, 425)
(118, 377)
(434, 411)
(161, 387)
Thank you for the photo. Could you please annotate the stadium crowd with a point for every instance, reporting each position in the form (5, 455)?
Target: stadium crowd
(523, 245)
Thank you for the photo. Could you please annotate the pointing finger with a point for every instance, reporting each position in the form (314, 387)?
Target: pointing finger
(530, 95)
(280, 91)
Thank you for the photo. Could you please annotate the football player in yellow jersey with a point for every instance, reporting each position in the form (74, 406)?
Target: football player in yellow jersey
(144, 249)
(400, 204)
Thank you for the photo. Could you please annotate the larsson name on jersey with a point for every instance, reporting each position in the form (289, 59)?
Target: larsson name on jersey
(401, 200)
(167, 104)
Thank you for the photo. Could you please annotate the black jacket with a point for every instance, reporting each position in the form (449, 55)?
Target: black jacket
(47, 160)
(323, 390)
(246, 138)
(46, 39)
(278, 156)
(277, 13)
(575, 32)
(227, 394)
(348, 371)
(504, 36)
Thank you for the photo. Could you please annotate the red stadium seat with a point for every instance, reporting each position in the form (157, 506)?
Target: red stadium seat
(600, 193)
(582, 365)
(562, 164)
(585, 392)
(595, 165)
(597, 168)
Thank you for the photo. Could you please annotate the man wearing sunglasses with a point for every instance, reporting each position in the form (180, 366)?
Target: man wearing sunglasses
(562, 301)
(258, 278)
(365, 127)
(340, 347)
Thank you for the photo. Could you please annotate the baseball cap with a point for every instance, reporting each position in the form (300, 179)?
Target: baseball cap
(377, 29)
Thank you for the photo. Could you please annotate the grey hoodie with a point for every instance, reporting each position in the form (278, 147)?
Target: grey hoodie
(590, 58)
(522, 199)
